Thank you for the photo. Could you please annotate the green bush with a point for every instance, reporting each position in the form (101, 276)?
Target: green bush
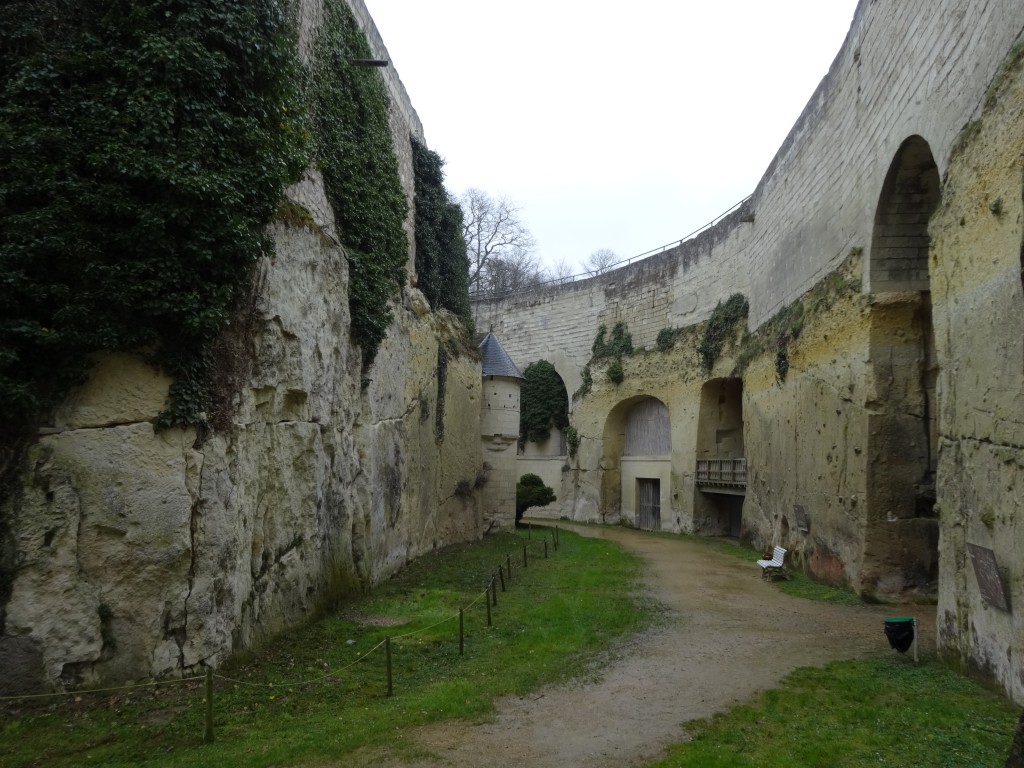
(531, 492)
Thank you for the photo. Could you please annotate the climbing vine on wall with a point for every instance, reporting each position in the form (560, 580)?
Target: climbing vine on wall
(354, 148)
(144, 148)
(720, 328)
(586, 383)
(442, 265)
(620, 343)
(544, 402)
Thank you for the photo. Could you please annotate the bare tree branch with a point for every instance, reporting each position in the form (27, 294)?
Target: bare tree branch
(600, 261)
(494, 232)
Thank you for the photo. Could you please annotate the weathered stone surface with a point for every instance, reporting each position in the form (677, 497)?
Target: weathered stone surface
(103, 547)
(121, 389)
(899, 424)
(22, 661)
(139, 553)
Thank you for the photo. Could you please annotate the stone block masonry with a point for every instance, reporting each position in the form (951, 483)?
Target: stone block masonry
(890, 416)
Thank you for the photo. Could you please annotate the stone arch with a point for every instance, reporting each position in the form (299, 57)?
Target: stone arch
(721, 459)
(555, 445)
(900, 555)
(637, 462)
(900, 241)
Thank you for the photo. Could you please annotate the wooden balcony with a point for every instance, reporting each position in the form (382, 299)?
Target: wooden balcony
(722, 475)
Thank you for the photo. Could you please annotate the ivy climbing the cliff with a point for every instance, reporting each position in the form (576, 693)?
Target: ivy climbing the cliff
(355, 150)
(442, 265)
(544, 403)
(144, 147)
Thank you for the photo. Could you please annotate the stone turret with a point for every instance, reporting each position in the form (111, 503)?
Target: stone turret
(499, 432)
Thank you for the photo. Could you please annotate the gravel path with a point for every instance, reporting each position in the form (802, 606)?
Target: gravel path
(728, 634)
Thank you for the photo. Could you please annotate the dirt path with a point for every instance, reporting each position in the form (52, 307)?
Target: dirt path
(728, 635)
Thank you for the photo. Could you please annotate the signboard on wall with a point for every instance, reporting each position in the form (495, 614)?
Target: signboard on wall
(986, 572)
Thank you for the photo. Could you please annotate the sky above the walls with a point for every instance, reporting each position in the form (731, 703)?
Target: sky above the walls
(613, 125)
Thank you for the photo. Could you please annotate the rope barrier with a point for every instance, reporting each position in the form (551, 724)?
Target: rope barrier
(151, 684)
(485, 595)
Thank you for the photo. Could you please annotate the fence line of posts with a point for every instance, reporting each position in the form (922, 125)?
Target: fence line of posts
(502, 575)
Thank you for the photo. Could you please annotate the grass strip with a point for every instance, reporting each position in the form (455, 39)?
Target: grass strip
(858, 713)
(557, 613)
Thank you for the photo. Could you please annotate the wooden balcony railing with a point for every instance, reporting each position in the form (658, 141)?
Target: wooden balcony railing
(732, 472)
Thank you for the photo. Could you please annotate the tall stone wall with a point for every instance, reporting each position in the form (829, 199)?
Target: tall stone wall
(141, 553)
(976, 266)
(880, 418)
(905, 68)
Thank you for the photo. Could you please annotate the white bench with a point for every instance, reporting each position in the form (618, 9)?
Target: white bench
(776, 566)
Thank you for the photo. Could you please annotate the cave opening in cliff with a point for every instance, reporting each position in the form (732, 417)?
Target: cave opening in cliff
(721, 459)
(901, 534)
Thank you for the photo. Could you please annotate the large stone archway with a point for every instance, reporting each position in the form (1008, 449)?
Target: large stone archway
(636, 482)
(901, 527)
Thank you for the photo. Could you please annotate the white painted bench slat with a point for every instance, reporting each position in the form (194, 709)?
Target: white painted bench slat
(777, 561)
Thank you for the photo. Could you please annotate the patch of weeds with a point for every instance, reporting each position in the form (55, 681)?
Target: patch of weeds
(777, 335)
(666, 339)
(721, 328)
(572, 441)
(615, 373)
(586, 383)
(1012, 60)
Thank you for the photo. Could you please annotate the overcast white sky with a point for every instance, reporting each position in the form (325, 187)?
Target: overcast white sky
(614, 125)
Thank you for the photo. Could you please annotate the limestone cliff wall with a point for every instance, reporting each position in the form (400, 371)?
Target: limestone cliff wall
(881, 385)
(140, 553)
(977, 262)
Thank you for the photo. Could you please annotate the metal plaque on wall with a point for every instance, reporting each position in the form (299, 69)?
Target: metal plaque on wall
(989, 581)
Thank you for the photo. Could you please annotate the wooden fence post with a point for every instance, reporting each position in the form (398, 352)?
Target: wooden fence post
(208, 736)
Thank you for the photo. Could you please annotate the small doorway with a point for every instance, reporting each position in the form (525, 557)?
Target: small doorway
(648, 493)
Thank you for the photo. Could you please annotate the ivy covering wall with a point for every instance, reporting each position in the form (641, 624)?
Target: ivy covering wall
(442, 264)
(543, 402)
(353, 147)
(144, 148)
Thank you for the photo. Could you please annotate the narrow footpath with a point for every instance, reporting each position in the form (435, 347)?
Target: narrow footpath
(728, 634)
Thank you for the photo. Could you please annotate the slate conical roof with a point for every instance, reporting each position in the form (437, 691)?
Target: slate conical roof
(496, 361)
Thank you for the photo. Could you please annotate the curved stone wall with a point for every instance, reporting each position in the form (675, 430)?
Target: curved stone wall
(880, 381)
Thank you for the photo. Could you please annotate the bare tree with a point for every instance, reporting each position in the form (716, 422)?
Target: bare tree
(562, 272)
(600, 261)
(493, 230)
(513, 272)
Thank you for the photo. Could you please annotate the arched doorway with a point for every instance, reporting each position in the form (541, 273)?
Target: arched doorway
(637, 463)
(721, 477)
(901, 534)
